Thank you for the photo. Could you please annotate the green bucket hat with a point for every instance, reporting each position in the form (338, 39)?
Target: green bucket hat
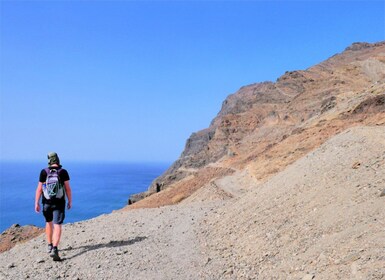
(53, 158)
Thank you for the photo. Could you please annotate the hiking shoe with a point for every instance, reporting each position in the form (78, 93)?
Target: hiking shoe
(55, 254)
(50, 248)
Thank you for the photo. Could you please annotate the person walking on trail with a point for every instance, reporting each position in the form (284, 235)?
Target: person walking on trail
(53, 187)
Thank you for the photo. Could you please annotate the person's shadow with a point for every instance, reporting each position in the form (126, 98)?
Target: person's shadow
(111, 244)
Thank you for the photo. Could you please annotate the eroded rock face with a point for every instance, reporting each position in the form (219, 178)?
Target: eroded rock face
(258, 124)
(17, 234)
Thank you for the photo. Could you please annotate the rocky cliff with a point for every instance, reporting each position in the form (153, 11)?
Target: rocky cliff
(263, 127)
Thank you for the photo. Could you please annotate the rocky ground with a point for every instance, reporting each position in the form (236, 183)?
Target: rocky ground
(156, 243)
(321, 218)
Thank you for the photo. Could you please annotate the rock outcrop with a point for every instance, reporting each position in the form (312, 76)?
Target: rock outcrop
(17, 234)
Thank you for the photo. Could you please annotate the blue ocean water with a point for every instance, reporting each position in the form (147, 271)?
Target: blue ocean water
(97, 188)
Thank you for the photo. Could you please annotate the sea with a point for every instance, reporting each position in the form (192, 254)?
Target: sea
(97, 188)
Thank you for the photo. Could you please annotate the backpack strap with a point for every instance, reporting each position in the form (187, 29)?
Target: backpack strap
(46, 171)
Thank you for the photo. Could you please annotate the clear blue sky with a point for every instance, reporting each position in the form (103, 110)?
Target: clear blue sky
(131, 80)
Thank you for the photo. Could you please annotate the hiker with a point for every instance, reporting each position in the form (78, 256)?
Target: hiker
(53, 186)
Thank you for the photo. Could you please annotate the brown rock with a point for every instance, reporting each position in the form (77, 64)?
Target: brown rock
(17, 234)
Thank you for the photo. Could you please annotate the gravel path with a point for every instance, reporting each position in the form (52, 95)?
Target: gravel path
(139, 244)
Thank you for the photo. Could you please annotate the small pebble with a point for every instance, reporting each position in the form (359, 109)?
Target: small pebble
(383, 193)
(308, 277)
(12, 265)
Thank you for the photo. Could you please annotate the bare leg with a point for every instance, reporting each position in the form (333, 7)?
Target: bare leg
(56, 234)
(49, 232)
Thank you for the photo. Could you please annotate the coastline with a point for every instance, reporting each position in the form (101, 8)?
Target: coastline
(122, 178)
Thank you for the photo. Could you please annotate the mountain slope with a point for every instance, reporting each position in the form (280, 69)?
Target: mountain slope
(264, 127)
(323, 216)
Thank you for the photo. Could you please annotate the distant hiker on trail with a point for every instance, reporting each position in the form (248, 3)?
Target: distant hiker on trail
(53, 186)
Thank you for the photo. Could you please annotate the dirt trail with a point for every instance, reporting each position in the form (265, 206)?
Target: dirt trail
(139, 244)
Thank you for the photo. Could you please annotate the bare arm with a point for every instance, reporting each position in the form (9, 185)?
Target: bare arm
(68, 193)
(37, 197)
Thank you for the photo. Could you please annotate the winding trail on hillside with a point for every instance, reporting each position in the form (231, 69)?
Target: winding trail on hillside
(283, 92)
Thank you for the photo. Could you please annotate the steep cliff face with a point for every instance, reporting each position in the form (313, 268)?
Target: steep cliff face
(263, 127)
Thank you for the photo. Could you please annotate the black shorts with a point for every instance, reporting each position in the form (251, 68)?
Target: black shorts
(54, 212)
